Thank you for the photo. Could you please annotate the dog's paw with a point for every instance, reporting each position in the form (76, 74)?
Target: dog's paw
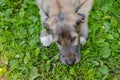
(82, 40)
(46, 40)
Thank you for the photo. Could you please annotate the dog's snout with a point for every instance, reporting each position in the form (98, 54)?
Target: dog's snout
(70, 61)
(69, 55)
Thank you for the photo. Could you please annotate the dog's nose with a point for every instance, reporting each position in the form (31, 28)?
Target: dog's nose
(70, 61)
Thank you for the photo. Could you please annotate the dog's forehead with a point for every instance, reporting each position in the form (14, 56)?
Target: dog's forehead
(66, 32)
(62, 26)
(63, 29)
(61, 19)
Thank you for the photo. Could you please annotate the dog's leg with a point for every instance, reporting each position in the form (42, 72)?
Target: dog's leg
(42, 13)
(45, 38)
(84, 9)
(83, 32)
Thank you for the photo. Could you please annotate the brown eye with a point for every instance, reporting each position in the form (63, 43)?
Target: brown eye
(59, 42)
(73, 39)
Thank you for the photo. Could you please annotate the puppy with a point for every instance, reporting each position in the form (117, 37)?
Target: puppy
(65, 23)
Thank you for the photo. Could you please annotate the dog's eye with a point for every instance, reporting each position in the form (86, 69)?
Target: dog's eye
(59, 42)
(73, 39)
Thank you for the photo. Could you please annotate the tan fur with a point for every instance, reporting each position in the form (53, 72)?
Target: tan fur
(55, 6)
(67, 22)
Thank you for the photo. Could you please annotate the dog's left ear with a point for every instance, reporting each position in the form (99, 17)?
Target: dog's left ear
(80, 18)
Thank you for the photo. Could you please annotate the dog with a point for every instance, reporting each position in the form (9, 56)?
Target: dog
(65, 22)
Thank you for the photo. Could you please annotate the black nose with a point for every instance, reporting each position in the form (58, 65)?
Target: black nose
(70, 61)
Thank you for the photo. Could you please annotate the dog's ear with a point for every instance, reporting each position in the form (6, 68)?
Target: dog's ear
(80, 18)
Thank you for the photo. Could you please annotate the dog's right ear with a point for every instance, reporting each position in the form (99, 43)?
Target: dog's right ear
(80, 18)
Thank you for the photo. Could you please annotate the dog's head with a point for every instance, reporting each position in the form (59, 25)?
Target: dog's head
(65, 30)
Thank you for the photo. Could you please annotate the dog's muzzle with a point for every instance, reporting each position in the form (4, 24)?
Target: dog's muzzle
(70, 58)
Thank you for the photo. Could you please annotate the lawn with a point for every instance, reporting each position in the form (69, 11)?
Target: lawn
(22, 57)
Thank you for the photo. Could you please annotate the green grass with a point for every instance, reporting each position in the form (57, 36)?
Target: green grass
(22, 57)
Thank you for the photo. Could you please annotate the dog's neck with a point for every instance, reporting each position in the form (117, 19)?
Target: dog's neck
(58, 7)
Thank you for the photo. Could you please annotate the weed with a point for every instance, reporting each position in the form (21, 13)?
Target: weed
(22, 57)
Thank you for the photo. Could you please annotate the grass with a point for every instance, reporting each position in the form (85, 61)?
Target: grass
(22, 57)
